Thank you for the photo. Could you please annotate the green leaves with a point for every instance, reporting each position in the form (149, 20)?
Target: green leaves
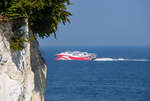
(17, 42)
(43, 15)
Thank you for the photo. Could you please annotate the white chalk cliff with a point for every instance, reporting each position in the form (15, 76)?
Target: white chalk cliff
(22, 73)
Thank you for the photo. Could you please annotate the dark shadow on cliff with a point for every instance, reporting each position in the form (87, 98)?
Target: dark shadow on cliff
(38, 67)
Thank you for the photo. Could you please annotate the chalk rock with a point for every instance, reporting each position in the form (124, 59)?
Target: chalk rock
(22, 73)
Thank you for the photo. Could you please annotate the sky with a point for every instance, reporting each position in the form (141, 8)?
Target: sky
(104, 23)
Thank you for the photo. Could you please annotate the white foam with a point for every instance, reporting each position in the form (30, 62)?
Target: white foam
(119, 59)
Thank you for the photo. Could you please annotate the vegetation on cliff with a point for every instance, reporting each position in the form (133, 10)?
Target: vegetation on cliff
(43, 16)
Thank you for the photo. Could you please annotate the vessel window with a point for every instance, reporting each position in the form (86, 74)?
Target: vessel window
(85, 53)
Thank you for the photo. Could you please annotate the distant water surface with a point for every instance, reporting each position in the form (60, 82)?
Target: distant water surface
(99, 80)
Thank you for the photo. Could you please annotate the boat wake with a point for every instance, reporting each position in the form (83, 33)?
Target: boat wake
(119, 59)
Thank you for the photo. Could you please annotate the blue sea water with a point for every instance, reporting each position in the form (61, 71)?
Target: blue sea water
(126, 80)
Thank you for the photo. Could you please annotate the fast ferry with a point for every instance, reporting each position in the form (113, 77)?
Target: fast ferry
(75, 55)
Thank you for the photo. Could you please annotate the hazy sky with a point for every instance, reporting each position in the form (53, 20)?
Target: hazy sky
(105, 23)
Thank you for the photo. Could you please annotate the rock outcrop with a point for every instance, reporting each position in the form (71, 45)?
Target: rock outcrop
(22, 73)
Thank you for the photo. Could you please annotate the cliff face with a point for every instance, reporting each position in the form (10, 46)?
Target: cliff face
(22, 73)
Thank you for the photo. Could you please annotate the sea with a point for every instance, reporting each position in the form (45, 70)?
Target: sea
(118, 74)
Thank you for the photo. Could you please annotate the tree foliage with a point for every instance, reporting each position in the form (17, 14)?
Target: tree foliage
(17, 42)
(43, 15)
